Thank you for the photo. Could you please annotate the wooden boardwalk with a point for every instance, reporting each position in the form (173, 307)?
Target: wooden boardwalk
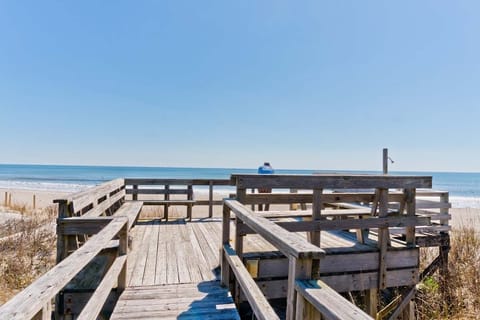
(203, 300)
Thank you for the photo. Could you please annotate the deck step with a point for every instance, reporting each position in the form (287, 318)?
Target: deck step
(203, 300)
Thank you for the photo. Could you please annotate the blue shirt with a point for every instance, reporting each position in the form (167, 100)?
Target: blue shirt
(265, 170)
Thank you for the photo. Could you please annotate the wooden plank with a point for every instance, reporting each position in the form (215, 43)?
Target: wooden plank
(331, 181)
(183, 258)
(29, 301)
(298, 269)
(330, 303)
(386, 222)
(84, 198)
(172, 265)
(287, 242)
(161, 265)
(177, 182)
(105, 206)
(332, 198)
(151, 256)
(205, 271)
(131, 210)
(137, 234)
(156, 191)
(257, 301)
(141, 258)
(99, 297)
(383, 238)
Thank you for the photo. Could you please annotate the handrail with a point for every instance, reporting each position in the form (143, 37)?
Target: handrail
(331, 181)
(200, 182)
(288, 243)
(259, 304)
(330, 304)
(31, 300)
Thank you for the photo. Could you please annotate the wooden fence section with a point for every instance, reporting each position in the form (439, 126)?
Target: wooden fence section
(150, 189)
(383, 224)
(36, 300)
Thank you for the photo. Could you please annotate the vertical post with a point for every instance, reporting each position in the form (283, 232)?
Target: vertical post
(9, 199)
(385, 161)
(135, 192)
(443, 252)
(34, 202)
(123, 250)
(316, 215)
(383, 239)
(410, 204)
(189, 197)
(210, 199)
(297, 269)
(225, 242)
(6, 199)
(166, 197)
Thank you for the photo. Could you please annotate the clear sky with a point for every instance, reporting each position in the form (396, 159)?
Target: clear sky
(302, 84)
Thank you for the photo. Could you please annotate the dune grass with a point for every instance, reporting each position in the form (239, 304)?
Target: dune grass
(27, 247)
(457, 297)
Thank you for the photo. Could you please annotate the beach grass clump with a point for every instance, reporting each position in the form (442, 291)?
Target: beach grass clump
(458, 296)
(28, 249)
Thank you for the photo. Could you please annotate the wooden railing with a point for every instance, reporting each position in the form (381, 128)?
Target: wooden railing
(304, 260)
(391, 207)
(150, 189)
(36, 300)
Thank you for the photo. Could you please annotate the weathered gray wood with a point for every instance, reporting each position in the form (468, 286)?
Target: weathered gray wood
(177, 182)
(410, 204)
(210, 199)
(298, 269)
(225, 276)
(131, 210)
(288, 243)
(257, 301)
(331, 181)
(201, 300)
(96, 302)
(29, 301)
(383, 238)
(80, 225)
(309, 226)
(326, 300)
(316, 215)
(156, 191)
(83, 199)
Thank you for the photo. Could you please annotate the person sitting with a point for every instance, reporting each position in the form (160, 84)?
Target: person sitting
(265, 169)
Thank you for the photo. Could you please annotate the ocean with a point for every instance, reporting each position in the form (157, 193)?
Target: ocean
(464, 187)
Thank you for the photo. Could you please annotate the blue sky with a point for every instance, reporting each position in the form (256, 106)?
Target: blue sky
(302, 84)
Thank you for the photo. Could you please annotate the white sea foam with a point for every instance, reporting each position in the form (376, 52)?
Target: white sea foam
(42, 186)
(465, 202)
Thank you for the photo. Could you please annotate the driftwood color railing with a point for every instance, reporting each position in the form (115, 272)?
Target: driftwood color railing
(148, 191)
(36, 300)
(389, 211)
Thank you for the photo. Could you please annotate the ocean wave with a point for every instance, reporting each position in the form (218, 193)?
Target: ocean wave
(43, 186)
(465, 202)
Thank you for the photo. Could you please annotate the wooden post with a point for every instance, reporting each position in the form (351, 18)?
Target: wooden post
(9, 199)
(34, 202)
(210, 199)
(135, 194)
(298, 269)
(410, 204)
(225, 241)
(166, 197)
(123, 250)
(189, 197)
(385, 161)
(383, 239)
(316, 215)
(6, 199)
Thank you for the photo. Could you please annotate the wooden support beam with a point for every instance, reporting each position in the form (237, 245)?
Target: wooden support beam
(298, 269)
